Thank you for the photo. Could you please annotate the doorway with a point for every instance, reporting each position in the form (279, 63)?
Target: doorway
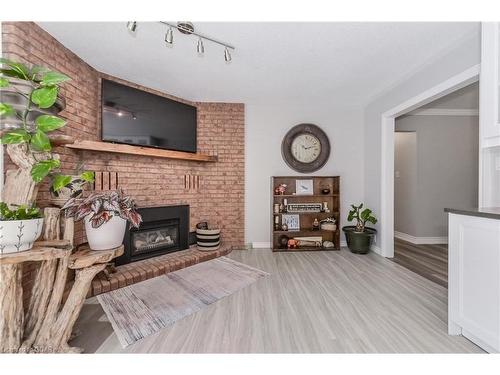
(388, 118)
(436, 159)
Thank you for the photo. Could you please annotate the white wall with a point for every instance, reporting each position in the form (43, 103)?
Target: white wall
(464, 55)
(264, 130)
(447, 172)
(405, 182)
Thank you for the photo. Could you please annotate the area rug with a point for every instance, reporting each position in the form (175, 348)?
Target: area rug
(139, 310)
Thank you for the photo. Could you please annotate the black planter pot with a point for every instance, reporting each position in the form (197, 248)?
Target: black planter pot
(359, 242)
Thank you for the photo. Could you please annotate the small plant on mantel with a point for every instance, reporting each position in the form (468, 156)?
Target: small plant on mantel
(31, 92)
(359, 237)
(105, 216)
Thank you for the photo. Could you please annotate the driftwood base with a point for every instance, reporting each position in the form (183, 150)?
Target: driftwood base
(47, 323)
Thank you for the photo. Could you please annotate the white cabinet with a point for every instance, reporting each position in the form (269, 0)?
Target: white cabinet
(474, 280)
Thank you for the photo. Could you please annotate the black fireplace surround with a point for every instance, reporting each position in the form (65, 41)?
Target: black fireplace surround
(163, 230)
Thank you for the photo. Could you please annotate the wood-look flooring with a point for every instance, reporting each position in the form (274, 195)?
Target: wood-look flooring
(312, 302)
(429, 261)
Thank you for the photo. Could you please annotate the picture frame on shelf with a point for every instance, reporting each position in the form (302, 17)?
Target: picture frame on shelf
(292, 221)
(304, 187)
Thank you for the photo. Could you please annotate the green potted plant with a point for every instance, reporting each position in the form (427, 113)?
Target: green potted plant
(19, 228)
(29, 102)
(359, 237)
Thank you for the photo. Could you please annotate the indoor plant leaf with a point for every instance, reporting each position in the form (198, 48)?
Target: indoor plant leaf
(87, 176)
(15, 136)
(53, 78)
(45, 97)
(40, 141)
(41, 169)
(4, 82)
(48, 123)
(6, 109)
(60, 181)
(21, 69)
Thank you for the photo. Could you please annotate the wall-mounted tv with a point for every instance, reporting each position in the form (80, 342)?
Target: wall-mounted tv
(136, 117)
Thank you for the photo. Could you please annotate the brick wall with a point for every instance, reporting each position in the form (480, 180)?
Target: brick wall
(151, 181)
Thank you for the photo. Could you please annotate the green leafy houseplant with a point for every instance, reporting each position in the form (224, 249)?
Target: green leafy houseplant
(43, 94)
(359, 237)
(361, 217)
(20, 213)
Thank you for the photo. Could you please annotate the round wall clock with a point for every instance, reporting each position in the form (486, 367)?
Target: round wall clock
(305, 148)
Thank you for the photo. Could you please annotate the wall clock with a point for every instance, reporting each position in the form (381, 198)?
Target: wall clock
(305, 148)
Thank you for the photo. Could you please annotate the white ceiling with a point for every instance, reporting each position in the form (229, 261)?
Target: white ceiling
(343, 64)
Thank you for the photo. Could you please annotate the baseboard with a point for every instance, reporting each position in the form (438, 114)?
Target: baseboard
(261, 245)
(421, 240)
(376, 249)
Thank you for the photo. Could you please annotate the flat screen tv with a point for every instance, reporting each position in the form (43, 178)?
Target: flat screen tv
(137, 117)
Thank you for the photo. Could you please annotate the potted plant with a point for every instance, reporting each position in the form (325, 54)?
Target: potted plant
(359, 237)
(29, 103)
(19, 228)
(105, 216)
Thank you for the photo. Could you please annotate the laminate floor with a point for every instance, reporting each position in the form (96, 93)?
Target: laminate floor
(429, 261)
(312, 302)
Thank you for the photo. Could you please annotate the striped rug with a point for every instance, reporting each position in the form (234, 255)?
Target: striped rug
(139, 310)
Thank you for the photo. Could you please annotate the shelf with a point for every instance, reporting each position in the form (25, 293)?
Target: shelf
(306, 213)
(304, 195)
(303, 231)
(139, 150)
(319, 248)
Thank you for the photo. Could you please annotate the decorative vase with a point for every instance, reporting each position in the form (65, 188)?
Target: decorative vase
(108, 236)
(19, 235)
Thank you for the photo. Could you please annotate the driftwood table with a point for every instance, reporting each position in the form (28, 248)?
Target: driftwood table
(45, 325)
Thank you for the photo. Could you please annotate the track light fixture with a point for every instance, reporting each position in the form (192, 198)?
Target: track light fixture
(187, 28)
(227, 55)
(132, 25)
(169, 36)
(200, 48)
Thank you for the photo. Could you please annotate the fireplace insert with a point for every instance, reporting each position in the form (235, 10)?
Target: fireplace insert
(163, 230)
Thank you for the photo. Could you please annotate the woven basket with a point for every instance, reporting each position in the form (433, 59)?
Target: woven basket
(329, 226)
(208, 239)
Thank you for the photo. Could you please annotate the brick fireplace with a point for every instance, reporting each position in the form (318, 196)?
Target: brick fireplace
(216, 197)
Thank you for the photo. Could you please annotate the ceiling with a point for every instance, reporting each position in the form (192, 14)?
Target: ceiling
(342, 64)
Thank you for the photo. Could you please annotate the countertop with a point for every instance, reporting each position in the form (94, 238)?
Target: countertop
(486, 212)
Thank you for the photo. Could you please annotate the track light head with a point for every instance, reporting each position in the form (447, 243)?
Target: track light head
(227, 55)
(169, 36)
(132, 26)
(200, 48)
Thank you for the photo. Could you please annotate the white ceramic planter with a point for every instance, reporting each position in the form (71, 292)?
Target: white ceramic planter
(19, 235)
(108, 235)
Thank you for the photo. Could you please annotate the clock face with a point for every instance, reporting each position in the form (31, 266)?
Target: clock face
(306, 148)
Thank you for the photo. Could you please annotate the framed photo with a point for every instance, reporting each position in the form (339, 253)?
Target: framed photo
(292, 221)
(304, 187)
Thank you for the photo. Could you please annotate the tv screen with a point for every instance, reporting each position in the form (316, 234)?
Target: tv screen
(137, 117)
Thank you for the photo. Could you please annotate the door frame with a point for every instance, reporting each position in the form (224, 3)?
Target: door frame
(388, 119)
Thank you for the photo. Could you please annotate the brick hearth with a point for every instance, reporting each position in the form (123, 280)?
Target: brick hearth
(146, 269)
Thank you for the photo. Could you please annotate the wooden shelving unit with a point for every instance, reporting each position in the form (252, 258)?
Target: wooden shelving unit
(307, 218)
(138, 150)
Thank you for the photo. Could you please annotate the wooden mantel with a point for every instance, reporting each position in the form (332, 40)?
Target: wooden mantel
(138, 150)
